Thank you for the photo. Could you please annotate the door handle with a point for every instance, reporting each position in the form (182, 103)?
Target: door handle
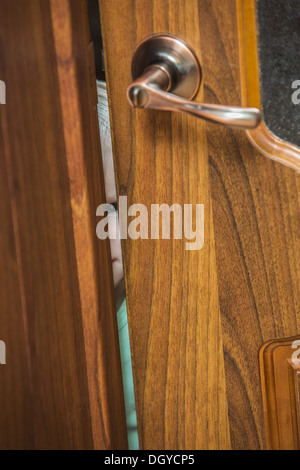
(167, 75)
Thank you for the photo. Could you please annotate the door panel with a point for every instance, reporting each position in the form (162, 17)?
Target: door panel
(256, 221)
(198, 319)
(61, 386)
(172, 294)
(16, 430)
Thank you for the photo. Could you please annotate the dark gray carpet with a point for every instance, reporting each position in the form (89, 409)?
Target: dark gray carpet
(279, 53)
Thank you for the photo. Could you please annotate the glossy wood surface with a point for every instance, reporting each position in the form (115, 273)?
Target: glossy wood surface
(280, 377)
(61, 387)
(191, 313)
(172, 297)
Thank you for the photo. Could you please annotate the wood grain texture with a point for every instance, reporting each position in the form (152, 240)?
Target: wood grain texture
(172, 294)
(256, 227)
(57, 308)
(16, 430)
(280, 372)
(251, 230)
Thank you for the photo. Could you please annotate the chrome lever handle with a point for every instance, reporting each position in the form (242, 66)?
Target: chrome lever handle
(141, 94)
(166, 72)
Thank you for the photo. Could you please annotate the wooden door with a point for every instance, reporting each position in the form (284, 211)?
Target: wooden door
(61, 385)
(198, 319)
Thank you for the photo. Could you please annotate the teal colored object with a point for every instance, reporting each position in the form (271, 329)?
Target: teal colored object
(131, 420)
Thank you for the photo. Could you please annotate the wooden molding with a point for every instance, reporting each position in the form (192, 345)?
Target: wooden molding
(262, 138)
(280, 380)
